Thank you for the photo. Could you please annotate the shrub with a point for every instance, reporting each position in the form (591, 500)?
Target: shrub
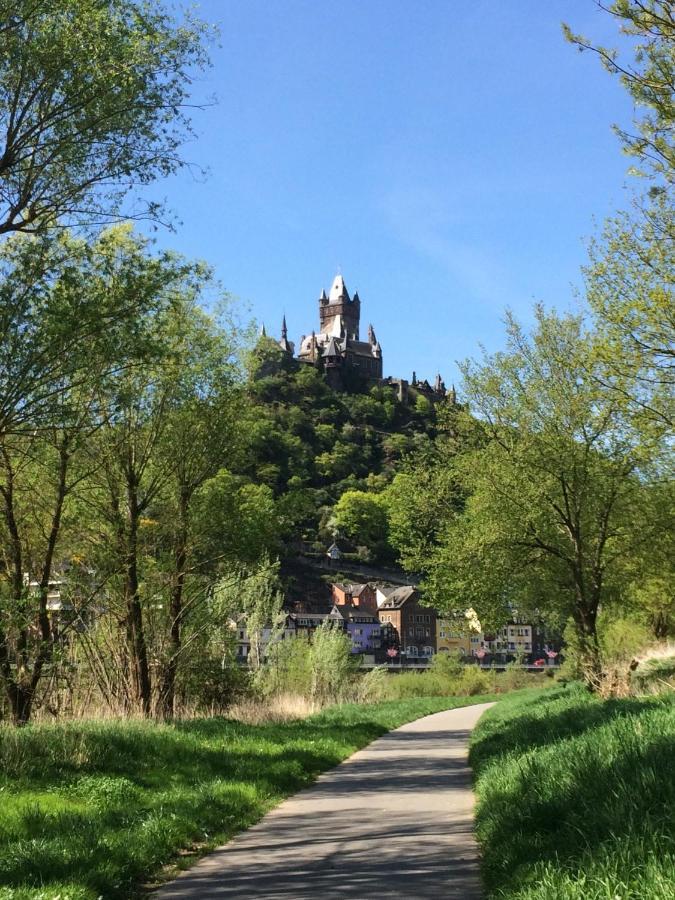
(474, 681)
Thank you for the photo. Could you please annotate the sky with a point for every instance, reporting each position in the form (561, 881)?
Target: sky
(450, 159)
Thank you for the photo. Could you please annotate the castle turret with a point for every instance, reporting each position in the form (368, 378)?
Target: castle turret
(284, 343)
(338, 312)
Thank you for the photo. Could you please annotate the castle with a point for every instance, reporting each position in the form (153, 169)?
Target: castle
(343, 356)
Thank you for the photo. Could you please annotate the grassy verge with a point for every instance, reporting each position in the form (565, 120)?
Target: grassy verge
(91, 809)
(576, 797)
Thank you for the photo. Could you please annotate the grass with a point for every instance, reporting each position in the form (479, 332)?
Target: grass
(576, 796)
(92, 809)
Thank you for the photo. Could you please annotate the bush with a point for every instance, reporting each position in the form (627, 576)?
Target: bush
(320, 669)
(474, 681)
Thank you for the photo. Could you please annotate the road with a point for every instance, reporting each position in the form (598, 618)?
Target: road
(393, 820)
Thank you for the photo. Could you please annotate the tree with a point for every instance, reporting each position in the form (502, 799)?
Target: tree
(93, 96)
(362, 517)
(142, 449)
(202, 403)
(251, 596)
(553, 486)
(629, 285)
(647, 75)
(65, 334)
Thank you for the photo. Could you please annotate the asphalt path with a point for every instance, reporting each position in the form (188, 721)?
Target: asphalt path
(393, 820)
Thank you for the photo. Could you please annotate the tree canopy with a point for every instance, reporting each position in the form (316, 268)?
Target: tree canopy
(93, 103)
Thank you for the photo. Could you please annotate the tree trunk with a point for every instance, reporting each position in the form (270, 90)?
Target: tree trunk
(135, 630)
(585, 618)
(168, 693)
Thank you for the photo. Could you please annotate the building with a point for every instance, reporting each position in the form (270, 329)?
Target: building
(362, 626)
(243, 639)
(362, 596)
(415, 625)
(338, 350)
(450, 639)
(514, 639)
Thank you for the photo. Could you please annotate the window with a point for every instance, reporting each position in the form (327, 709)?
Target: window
(442, 633)
(427, 619)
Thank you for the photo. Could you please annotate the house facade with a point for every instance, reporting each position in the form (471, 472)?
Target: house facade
(414, 624)
(361, 596)
(450, 639)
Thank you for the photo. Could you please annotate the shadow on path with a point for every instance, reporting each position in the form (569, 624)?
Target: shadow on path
(394, 820)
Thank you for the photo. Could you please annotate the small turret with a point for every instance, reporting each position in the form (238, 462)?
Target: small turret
(263, 333)
(284, 343)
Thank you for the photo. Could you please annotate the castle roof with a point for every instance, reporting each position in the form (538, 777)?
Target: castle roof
(338, 290)
(331, 350)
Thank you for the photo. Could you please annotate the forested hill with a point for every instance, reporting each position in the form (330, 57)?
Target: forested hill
(312, 446)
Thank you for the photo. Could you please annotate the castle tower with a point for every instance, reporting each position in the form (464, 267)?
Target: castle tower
(339, 314)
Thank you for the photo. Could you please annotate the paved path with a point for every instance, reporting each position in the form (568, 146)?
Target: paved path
(393, 820)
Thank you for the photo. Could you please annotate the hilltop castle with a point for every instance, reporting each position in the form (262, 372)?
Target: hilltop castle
(338, 350)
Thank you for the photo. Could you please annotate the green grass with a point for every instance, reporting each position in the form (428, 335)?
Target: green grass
(576, 796)
(92, 809)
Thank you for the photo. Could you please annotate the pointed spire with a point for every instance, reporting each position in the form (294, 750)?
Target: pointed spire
(371, 333)
(453, 395)
(263, 333)
(284, 330)
(323, 298)
(338, 290)
(331, 351)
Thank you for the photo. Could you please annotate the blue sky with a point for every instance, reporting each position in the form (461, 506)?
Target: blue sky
(451, 158)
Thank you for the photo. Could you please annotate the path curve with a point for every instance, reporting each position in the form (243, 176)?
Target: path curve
(393, 820)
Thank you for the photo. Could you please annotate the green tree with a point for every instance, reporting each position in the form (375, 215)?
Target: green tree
(553, 487)
(362, 517)
(93, 95)
(146, 448)
(629, 286)
(645, 69)
(65, 335)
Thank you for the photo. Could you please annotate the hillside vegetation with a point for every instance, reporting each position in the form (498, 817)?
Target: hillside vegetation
(576, 796)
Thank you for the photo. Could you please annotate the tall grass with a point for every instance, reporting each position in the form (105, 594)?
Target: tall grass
(577, 797)
(91, 809)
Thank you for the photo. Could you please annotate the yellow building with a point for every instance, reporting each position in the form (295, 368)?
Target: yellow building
(449, 639)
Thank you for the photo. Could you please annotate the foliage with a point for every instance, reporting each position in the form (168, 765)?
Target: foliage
(629, 286)
(576, 796)
(92, 103)
(647, 75)
(331, 663)
(554, 481)
(362, 517)
(319, 668)
(92, 809)
(252, 598)
(311, 446)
